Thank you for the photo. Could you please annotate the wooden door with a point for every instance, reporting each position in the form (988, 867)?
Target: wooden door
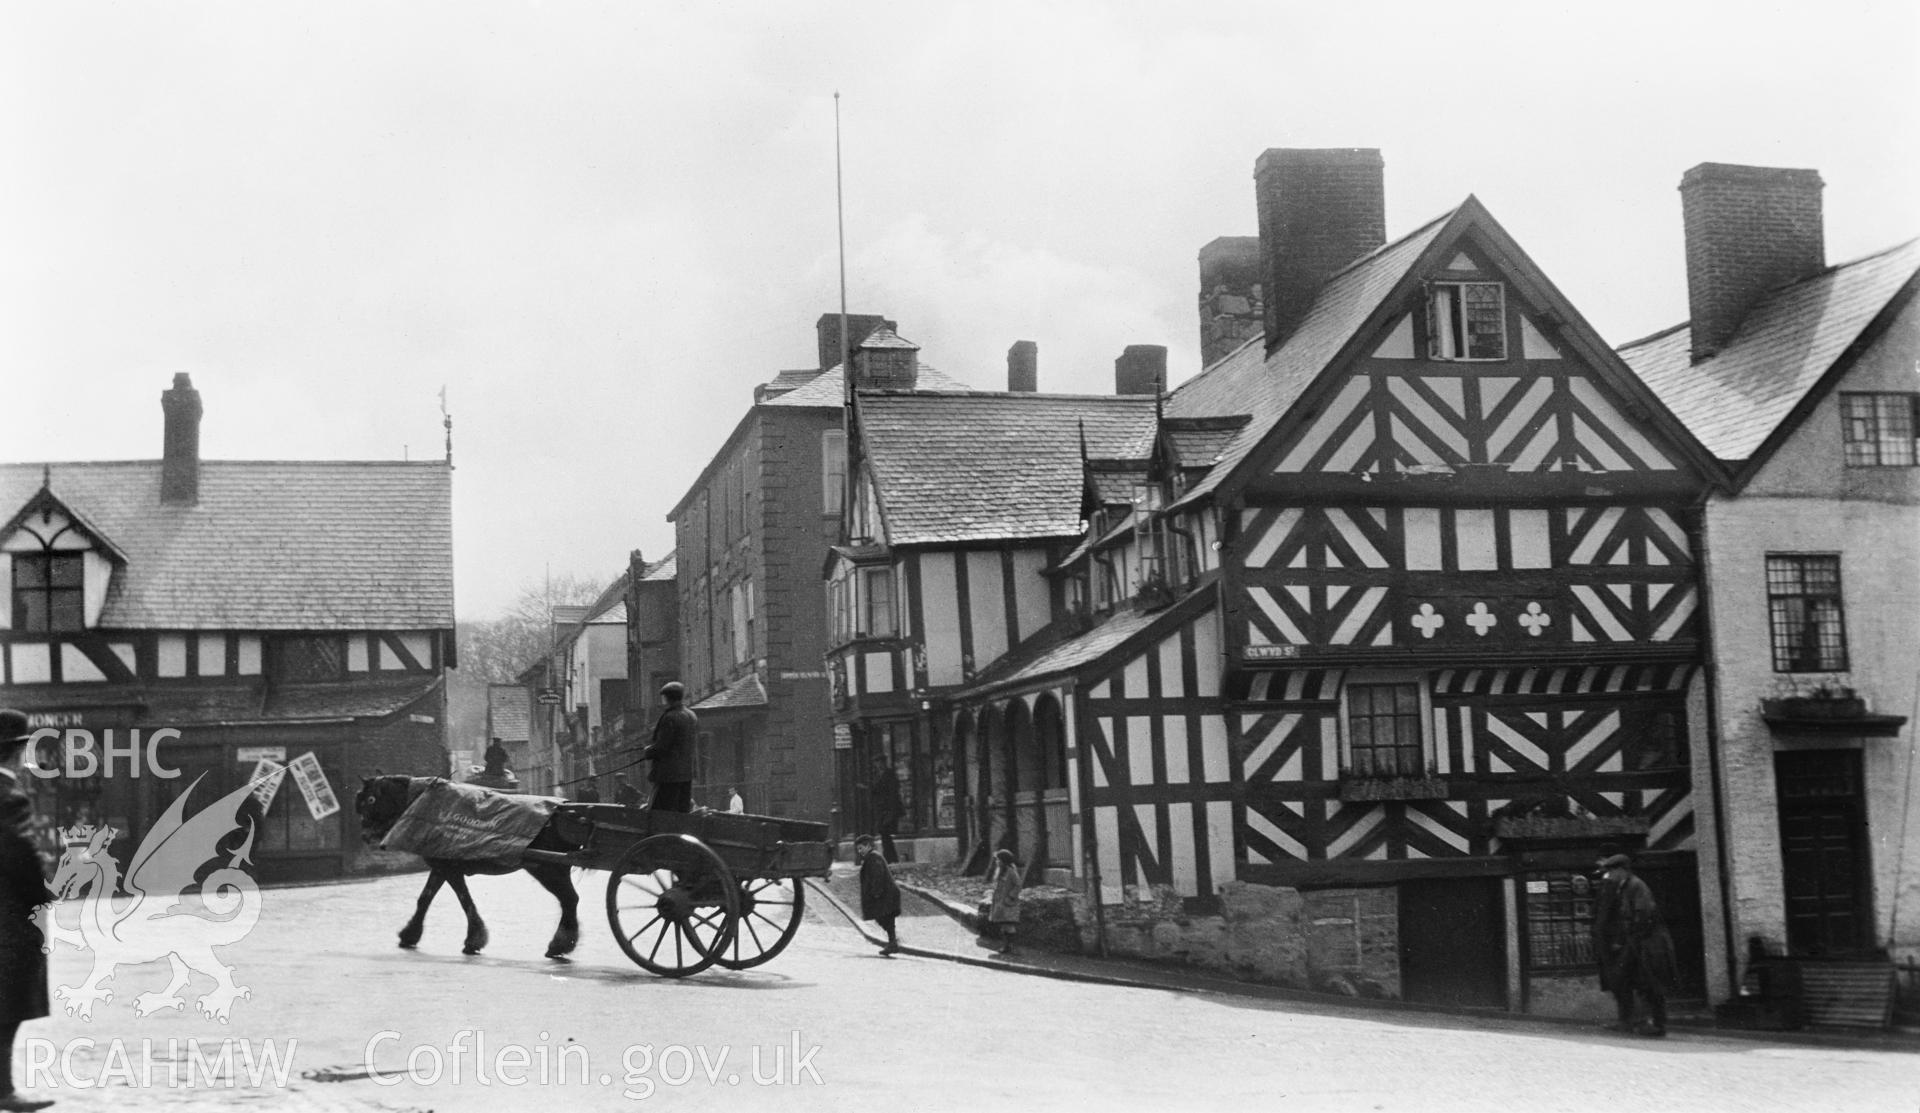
(1824, 852)
(1453, 942)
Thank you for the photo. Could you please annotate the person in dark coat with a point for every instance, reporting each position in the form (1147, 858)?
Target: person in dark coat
(23, 888)
(587, 793)
(671, 751)
(883, 801)
(625, 793)
(1636, 953)
(879, 893)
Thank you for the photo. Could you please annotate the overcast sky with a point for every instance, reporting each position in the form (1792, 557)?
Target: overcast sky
(600, 225)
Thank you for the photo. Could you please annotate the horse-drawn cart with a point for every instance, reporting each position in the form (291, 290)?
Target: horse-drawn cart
(687, 890)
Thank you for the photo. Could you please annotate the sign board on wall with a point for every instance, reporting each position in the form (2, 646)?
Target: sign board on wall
(275, 754)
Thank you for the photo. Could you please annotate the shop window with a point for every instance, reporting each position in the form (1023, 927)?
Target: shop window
(49, 591)
(1878, 430)
(1804, 614)
(1466, 321)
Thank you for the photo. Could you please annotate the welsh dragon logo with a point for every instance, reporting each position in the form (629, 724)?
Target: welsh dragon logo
(163, 908)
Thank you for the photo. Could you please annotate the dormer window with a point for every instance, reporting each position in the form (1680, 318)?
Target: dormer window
(49, 592)
(1466, 321)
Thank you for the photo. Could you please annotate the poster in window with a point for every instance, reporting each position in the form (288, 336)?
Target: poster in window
(313, 785)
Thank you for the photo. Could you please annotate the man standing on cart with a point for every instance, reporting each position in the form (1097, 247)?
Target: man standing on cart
(671, 751)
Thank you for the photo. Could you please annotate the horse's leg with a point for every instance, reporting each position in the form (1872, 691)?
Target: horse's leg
(476, 930)
(410, 935)
(558, 880)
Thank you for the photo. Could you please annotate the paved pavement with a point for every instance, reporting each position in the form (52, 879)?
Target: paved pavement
(931, 926)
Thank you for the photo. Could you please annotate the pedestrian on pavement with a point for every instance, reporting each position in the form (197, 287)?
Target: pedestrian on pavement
(734, 804)
(1003, 915)
(625, 792)
(23, 888)
(671, 751)
(587, 793)
(879, 893)
(1636, 953)
(883, 799)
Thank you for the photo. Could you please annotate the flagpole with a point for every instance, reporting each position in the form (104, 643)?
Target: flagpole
(840, 220)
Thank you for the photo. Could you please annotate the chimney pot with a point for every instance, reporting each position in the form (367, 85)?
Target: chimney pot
(1141, 369)
(1749, 230)
(1023, 367)
(1320, 209)
(180, 454)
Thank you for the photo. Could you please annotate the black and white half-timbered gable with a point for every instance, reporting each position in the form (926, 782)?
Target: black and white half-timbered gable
(960, 505)
(1389, 629)
(177, 620)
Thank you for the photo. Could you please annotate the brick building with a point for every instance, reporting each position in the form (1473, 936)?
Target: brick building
(750, 536)
(258, 609)
(1803, 379)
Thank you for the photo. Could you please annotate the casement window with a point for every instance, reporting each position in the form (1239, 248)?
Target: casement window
(49, 591)
(876, 602)
(1383, 727)
(833, 471)
(1466, 321)
(1804, 614)
(310, 658)
(1878, 430)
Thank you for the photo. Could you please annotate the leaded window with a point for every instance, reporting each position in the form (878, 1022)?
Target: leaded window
(1383, 731)
(49, 591)
(1467, 320)
(1804, 613)
(1878, 429)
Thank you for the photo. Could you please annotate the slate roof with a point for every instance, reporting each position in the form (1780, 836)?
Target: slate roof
(1247, 382)
(743, 693)
(829, 388)
(1197, 442)
(982, 466)
(1114, 481)
(272, 545)
(662, 569)
(511, 712)
(1735, 398)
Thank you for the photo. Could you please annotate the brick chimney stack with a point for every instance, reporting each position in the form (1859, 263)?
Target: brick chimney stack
(1231, 309)
(1319, 210)
(180, 455)
(1750, 229)
(884, 361)
(860, 325)
(1141, 369)
(1023, 367)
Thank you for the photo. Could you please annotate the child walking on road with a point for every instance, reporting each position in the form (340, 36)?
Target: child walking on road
(879, 894)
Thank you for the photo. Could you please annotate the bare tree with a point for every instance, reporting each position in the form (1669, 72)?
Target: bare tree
(497, 650)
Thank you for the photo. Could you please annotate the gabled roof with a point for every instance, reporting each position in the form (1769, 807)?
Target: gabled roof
(271, 545)
(985, 466)
(510, 711)
(1361, 298)
(1197, 442)
(1112, 482)
(1247, 381)
(44, 504)
(1737, 398)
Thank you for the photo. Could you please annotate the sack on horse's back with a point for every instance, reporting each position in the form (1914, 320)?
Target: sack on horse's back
(466, 822)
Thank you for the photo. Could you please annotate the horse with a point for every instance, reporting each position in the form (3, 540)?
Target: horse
(379, 804)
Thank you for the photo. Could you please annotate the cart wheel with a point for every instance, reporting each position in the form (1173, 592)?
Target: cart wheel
(672, 904)
(770, 909)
